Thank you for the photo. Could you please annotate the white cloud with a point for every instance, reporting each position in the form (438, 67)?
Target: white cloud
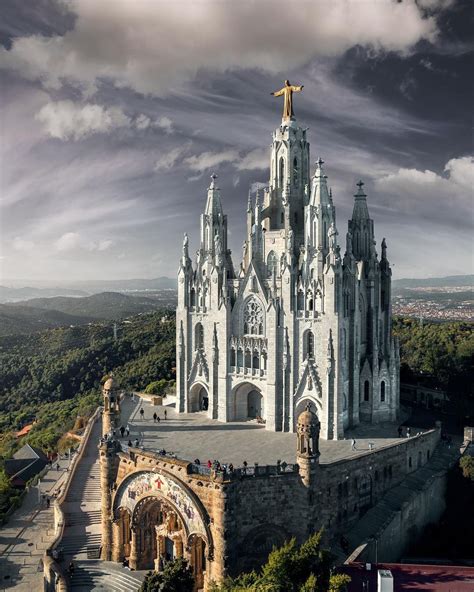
(166, 124)
(168, 160)
(101, 245)
(67, 242)
(461, 172)
(425, 195)
(210, 160)
(255, 160)
(142, 122)
(23, 245)
(67, 120)
(177, 39)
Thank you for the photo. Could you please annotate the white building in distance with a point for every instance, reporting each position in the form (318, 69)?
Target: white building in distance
(296, 321)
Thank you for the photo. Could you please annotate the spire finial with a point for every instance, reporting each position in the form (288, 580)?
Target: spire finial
(360, 184)
(213, 181)
(320, 162)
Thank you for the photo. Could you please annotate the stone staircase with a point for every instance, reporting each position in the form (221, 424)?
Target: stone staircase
(82, 504)
(379, 517)
(95, 576)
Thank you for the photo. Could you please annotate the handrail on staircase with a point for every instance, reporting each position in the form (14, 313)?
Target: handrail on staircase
(54, 577)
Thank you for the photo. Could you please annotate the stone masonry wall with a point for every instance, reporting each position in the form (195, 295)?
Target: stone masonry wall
(347, 488)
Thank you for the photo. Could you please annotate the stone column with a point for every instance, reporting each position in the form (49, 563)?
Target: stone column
(106, 455)
(133, 559)
(117, 543)
(178, 547)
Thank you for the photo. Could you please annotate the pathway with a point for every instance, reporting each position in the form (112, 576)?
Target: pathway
(27, 534)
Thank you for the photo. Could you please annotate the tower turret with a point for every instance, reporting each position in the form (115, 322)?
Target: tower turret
(308, 428)
(111, 412)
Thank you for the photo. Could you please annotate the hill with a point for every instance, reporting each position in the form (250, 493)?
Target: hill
(15, 320)
(107, 305)
(56, 374)
(9, 294)
(440, 282)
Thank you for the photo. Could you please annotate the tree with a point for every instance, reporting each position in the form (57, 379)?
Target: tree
(157, 387)
(467, 465)
(175, 577)
(290, 568)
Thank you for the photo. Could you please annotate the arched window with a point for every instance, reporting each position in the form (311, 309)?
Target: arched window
(253, 318)
(198, 336)
(272, 263)
(193, 297)
(232, 357)
(308, 348)
(282, 218)
(382, 391)
(366, 390)
(309, 300)
(248, 359)
(240, 358)
(255, 360)
(300, 300)
(282, 171)
(264, 361)
(295, 172)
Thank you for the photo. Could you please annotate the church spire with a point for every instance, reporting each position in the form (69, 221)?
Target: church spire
(214, 226)
(361, 226)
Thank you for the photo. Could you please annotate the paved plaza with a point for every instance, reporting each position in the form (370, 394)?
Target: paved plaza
(27, 534)
(193, 436)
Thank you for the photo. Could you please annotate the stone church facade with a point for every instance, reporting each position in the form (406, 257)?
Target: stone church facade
(298, 320)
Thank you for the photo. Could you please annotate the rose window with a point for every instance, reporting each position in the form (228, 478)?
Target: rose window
(253, 318)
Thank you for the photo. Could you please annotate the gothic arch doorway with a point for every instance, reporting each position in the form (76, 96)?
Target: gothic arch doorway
(248, 402)
(158, 534)
(198, 398)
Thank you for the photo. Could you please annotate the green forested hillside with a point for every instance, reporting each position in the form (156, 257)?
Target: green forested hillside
(55, 373)
(442, 351)
(20, 319)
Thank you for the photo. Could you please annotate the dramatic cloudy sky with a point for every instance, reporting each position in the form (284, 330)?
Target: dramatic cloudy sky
(115, 112)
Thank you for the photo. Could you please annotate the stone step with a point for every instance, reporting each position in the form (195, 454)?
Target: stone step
(95, 577)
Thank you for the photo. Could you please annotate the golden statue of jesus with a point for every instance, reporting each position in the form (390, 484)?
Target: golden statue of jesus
(287, 91)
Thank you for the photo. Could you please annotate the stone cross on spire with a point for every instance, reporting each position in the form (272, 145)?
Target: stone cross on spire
(287, 92)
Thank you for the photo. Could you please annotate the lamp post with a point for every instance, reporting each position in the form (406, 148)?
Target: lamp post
(374, 539)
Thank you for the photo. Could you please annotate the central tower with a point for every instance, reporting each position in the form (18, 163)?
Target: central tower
(297, 322)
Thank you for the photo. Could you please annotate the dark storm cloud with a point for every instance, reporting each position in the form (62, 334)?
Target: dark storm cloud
(101, 180)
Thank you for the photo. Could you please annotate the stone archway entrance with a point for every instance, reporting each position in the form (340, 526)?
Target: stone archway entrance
(158, 535)
(248, 402)
(198, 398)
(254, 404)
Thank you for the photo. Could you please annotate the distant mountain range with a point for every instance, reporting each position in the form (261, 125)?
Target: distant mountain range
(18, 290)
(448, 281)
(43, 313)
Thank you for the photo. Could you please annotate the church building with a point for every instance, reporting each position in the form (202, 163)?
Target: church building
(301, 318)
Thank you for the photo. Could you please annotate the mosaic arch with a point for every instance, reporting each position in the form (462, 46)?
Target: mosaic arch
(145, 484)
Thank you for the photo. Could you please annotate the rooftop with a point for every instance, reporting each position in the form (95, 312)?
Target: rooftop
(435, 578)
(193, 435)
